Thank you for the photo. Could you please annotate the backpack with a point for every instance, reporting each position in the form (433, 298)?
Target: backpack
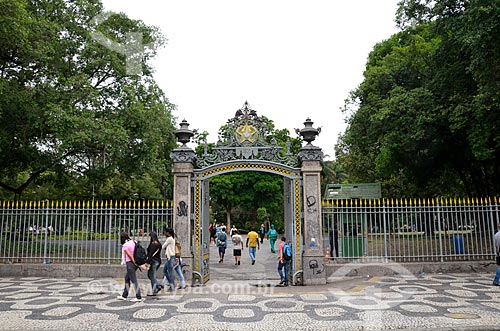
(140, 255)
(287, 252)
(177, 249)
(222, 239)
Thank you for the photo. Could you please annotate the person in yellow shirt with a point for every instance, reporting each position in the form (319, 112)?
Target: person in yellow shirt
(253, 244)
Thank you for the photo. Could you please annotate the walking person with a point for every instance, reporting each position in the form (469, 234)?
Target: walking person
(238, 247)
(128, 248)
(178, 265)
(253, 244)
(496, 280)
(213, 232)
(283, 262)
(154, 261)
(232, 231)
(222, 244)
(272, 234)
(262, 233)
(168, 268)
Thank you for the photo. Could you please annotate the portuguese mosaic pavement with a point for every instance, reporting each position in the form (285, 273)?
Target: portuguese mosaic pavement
(433, 301)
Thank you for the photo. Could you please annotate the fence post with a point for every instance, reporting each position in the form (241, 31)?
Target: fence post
(385, 231)
(110, 241)
(45, 261)
(495, 223)
(439, 230)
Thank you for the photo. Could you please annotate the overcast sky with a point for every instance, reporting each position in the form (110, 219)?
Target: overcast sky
(289, 59)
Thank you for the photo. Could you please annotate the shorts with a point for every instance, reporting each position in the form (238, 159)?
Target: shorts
(237, 252)
(222, 249)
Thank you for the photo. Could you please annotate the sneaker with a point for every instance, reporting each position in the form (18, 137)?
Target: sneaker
(181, 287)
(121, 298)
(136, 300)
(239, 263)
(282, 282)
(253, 262)
(285, 284)
(496, 284)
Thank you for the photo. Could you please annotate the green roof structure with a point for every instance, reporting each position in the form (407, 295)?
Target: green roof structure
(353, 191)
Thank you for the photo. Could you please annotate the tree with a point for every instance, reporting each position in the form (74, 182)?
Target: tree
(423, 120)
(69, 107)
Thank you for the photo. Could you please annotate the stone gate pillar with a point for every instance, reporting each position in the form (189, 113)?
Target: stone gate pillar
(313, 256)
(183, 159)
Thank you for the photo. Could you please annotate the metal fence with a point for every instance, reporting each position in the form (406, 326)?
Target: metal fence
(398, 230)
(76, 232)
(411, 230)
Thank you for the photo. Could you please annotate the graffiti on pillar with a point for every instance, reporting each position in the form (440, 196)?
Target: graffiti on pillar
(311, 203)
(182, 209)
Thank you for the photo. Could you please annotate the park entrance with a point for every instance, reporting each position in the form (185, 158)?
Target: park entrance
(246, 147)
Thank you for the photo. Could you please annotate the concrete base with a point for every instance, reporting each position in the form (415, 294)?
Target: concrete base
(70, 271)
(336, 271)
(187, 269)
(314, 272)
(326, 273)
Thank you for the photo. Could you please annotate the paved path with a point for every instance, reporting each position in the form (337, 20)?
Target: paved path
(244, 298)
(448, 302)
(264, 270)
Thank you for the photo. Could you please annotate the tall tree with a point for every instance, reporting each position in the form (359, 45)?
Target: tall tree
(423, 120)
(70, 106)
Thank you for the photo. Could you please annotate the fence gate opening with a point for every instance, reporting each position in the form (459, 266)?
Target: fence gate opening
(246, 147)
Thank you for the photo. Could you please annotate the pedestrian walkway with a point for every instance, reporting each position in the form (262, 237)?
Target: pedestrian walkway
(432, 302)
(245, 296)
(264, 270)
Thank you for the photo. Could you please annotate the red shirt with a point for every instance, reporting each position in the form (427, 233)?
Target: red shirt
(280, 249)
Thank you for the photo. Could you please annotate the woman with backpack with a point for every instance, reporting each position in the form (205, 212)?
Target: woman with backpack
(222, 244)
(128, 248)
(154, 261)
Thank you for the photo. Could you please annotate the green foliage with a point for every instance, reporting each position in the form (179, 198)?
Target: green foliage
(69, 109)
(245, 197)
(424, 120)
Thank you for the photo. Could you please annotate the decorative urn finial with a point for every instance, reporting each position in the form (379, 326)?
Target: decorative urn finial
(308, 133)
(183, 134)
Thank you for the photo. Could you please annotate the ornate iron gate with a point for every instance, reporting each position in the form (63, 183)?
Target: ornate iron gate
(293, 222)
(246, 146)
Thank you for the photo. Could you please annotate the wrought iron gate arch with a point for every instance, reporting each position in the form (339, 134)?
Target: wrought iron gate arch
(247, 146)
(200, 218)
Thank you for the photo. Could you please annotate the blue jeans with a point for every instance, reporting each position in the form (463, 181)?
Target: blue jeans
(168, 271)
(252, 251)
(155, 265)
(178, 270)
(496, 280)
(283, 265)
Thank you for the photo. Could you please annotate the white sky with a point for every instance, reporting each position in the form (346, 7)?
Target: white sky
(290, 59)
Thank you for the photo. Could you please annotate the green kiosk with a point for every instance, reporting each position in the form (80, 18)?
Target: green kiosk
(350, 220)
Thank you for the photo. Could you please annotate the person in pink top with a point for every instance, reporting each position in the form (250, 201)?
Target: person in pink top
(128, 248)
